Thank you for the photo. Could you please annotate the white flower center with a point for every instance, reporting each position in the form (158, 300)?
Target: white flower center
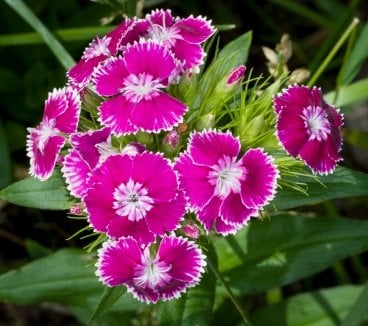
(99, 46)
(165, 36)
(105, 149)
(316, 123)
(152, 273)
(142, 86)
(47, 129)
(226, 176)
(132, 200)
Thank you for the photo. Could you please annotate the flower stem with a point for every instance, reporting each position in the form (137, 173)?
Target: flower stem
(230, 293)
(332, 53)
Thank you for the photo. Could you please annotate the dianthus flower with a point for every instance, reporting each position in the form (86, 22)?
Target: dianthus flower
(89, 150)
(309, 128)
(100, 49)
(134, 196)
(177, 265)
(223, 190)
(60, 118)
(183, 36)
(135, 86)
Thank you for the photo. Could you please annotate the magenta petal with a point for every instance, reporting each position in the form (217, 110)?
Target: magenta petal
(161, 17)
(233, 212)
(291, 131)
(150, 58)
(259, 186)
(122, 227)
(76, 172)
(208, 215)
(194, 181)
(110, 268)
(297, 98)
(191, 54)
(109, 77)
(43, 157)
(85, 143)
(194, 29)
(166, 217)
(81, 73)
(159, 179)
(316, 155)
(122, 35)
(115, 113)
(207, 147)
(162, 112)
(225, 229)
(184, 256)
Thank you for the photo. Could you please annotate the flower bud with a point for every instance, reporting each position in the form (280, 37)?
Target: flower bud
(77, 209)
(171, 142)
(228, 84)
(191, 231)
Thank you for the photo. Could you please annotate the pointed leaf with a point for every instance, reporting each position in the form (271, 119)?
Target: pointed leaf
(31, 192)
(278, 251)
(342, 183)
(325, 307)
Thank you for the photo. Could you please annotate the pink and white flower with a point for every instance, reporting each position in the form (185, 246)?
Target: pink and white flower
(134, 196)
(89, 150)
(60, 118)
(183, 36)
(177, 265)
(309, 128)
(100, 49)
(223, 190)
(135, 85)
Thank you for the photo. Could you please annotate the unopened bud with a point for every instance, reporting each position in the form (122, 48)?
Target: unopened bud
(229, 83)
(77, 209)
(170, 142)
(191, 231)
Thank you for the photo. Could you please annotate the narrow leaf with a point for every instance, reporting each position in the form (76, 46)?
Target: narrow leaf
(342, 183)
(31, 192)
(325, 307)
(271, 253)
(5, 171)
(359, 310)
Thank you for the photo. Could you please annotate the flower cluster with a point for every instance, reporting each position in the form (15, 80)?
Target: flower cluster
(141, 164)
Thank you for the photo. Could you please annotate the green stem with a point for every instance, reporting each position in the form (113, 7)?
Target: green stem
(332, 53)
(230, 293)
(52, 42)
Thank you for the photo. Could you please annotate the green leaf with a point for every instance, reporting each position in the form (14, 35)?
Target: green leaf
(235, 52)
(350, 94)
(271, 253)
(108, 299)
(67, 277)
(195, 307)
(359, 310)
(325, 307)
(342, 183)
(31, 192)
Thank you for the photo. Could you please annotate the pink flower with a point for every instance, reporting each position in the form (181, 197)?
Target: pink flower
(183, 36)
(89, 150)
(135, 86)
(177, 265)
(134, 196)
(60, 118)
(223, 190)
(100, 49)
(309, 128)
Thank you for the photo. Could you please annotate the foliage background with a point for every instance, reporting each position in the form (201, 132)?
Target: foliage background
(28, 71)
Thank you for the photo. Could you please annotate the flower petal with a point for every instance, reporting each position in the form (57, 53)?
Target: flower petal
(194, 181)
(208, 215)
(162, 112)
(166, 217)
(208, 147)
(109, 77)
(115, 113)
(259, 186)
(195, 29)
(191, 54)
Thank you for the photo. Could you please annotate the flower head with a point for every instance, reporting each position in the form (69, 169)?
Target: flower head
(182, 36)
(125, 198)
(225, 191)
(60, 118)
(309, 128)
(135, 86)
(177, 265)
